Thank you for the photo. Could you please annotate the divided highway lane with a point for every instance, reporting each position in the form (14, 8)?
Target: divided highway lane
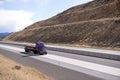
(100, 53)
(102, 61)
(64, 66)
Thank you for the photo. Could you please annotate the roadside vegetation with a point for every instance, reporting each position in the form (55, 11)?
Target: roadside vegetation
(10, 70)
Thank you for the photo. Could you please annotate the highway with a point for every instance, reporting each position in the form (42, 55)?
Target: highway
(63, 65)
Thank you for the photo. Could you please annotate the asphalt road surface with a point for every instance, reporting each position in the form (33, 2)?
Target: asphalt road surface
(65, 66)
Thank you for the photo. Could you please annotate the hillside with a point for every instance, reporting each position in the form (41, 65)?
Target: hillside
(96, 23)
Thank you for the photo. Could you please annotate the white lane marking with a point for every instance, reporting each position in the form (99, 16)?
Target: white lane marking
(93, 66)
(11, 47)
(88, 65)
(89, 50)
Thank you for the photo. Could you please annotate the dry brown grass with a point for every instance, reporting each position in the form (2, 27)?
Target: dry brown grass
(89, 11)
(103, 32)
(9, 70)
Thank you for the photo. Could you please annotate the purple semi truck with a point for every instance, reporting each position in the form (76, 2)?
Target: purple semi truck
(39, 48)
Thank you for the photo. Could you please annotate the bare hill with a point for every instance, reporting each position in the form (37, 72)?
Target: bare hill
(94, 23)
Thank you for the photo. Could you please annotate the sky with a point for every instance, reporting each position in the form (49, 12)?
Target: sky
(15, 15)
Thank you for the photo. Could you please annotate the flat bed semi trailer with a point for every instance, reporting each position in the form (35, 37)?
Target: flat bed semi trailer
(39, 48)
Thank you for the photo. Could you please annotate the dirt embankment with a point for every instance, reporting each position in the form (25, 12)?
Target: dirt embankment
(9, 70)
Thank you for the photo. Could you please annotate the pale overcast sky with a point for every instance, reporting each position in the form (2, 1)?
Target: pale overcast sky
(15, 15)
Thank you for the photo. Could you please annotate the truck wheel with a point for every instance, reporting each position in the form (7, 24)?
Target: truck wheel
(40, 53)
(45, 52)
(35, 52)
(26, 50)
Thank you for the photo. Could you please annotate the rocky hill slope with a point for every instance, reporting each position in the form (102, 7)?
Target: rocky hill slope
(96, 23)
